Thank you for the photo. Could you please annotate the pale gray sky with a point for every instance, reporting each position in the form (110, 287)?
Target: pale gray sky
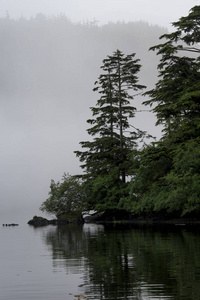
(161, 12)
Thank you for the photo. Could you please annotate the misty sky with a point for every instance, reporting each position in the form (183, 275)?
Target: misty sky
(39, 133)
(161, 12)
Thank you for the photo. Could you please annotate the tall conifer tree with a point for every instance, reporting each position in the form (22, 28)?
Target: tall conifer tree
(108, 154)
(177, 93)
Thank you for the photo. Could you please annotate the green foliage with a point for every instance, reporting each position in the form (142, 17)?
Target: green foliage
(107, 192)
(176, 94)
(168, 181)
(168, 177)
(155, 162)
(65, 197)
(184, 179)
(107, 160)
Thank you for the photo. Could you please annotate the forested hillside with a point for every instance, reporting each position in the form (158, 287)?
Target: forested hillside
(49, 56)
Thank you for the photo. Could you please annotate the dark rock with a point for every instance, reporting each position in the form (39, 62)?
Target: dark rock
(38, 221)
(62, 219)
(12, 224)
(110, 215)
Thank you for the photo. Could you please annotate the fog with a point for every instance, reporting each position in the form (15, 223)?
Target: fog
(154, 11)
(48, 66)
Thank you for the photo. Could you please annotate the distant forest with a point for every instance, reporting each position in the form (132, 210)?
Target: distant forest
(52, 56)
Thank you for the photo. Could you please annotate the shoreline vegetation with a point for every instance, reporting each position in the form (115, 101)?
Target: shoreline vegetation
(128, 175)
(118, 217)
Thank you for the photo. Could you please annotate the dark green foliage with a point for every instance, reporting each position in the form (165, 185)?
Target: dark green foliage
(168, 176)
(154, 164)
(188, 31)
(169, 184)
(184, 178)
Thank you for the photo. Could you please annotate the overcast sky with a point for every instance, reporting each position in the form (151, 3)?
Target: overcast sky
(161, 12)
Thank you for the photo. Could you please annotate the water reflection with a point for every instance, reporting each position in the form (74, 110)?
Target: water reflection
(136, 263)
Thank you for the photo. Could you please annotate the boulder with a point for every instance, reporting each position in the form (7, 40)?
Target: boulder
(38, 221)
(62, 219)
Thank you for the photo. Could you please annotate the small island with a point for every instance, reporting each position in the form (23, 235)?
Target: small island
(124, 168)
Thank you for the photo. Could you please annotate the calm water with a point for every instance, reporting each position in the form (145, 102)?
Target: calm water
(97, 262)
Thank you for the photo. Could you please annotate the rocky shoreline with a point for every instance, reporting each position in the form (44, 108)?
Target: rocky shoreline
(40, 221)
(119, 217)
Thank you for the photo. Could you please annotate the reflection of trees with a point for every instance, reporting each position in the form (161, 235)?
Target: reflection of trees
(111, 267)
(130, 263)
(67, 246)
(170, 256)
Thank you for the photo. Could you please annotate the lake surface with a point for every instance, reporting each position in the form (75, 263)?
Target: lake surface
(100, 262)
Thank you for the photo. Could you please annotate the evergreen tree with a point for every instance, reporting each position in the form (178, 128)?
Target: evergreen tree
(168, 178)
(107, 160)
(177, 93)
